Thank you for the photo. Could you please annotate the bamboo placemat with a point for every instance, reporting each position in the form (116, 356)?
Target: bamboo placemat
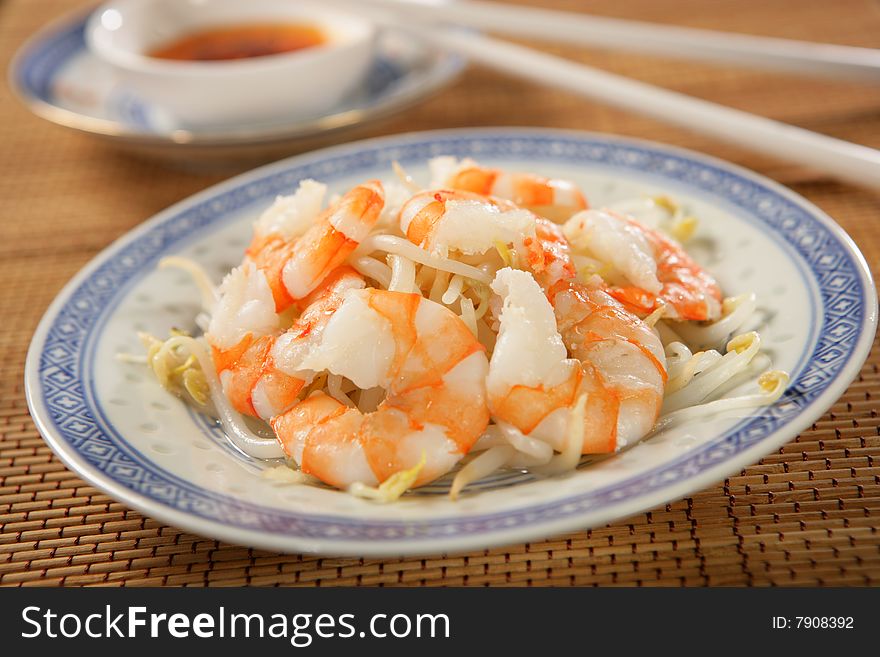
(808, 514)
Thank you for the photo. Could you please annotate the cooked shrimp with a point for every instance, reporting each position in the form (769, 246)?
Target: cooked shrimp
(433, 371)
(245, 329)
(534, 385)
(596, 328)
(549, 197)
(584, 311)
(646, 270)
(469, 224)
(297, 248)
(550, 258)
(446, 220)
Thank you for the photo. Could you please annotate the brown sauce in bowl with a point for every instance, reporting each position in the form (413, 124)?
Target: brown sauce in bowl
(240, 42)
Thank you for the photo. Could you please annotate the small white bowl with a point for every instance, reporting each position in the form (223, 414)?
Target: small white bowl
(303, 83)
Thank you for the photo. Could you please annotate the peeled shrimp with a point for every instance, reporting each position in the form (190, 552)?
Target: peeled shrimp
(550, 257)
(628, 353)
(445, 220)
(244, 332)
(549, 197)
(469, 224)
(534, 386)
(297, 251)
(596, 328)
(432, 369)
(647, 270)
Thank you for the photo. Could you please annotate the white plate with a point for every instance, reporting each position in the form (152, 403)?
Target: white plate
(118, 429)
(59, 79)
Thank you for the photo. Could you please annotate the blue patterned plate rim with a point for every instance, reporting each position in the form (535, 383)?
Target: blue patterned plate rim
(38, 59)
(848, 320)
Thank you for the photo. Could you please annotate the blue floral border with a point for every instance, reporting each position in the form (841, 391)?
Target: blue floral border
(65, 370)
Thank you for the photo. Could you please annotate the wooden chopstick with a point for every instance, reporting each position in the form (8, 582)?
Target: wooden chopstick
(801, 57)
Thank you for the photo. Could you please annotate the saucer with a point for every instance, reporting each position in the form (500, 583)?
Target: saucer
(60, 80)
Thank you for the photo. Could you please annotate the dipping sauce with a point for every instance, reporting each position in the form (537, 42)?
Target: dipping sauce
(240, 42)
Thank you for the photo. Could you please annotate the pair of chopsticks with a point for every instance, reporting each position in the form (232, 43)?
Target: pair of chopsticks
(438, 24)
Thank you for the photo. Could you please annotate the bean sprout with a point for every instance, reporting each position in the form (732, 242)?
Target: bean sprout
(400, 246)
(403, 274)
(200, 277)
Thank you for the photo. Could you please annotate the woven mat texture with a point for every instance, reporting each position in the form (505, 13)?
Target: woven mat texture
(808, 514)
